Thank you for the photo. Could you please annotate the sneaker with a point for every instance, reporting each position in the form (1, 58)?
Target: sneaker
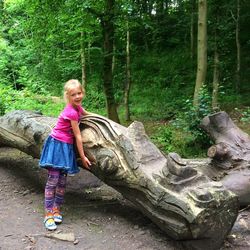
(57, 215)
(49, 222)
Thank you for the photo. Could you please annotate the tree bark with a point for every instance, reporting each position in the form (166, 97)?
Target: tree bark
(201, 50)
(192, 33)
(232, 145)
(107, 22)
(230, 155)
(237, 38)
(89, 58)
(128, 76)
(83, 62)
(215, 80)
(182, 201)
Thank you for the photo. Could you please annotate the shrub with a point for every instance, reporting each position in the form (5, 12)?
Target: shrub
(189, 121)
(26, 100)
(246, 115)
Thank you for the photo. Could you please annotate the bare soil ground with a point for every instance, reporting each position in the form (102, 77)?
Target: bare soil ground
(96, 215)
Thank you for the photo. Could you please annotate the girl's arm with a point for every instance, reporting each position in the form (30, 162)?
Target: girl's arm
(85, 112)
(85, 161)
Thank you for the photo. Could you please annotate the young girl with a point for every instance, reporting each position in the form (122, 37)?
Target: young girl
(58, 155)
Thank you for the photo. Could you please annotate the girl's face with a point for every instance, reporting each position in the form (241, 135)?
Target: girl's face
(75, 96)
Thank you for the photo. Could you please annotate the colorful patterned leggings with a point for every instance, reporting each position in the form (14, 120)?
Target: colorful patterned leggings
(54, 189)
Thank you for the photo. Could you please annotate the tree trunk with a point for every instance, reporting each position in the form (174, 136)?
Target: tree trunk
(215, 79)
(159, 7)
(113, 59)
(182, 201)
(83, 62)
(89, 58)
(108, 38)
(216, 60)
(192, 22)
(237, 32)
(128, 77)
(232, 145)
(201, 50)
(230, 156)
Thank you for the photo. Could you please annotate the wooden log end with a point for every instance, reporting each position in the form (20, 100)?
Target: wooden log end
(218, 151)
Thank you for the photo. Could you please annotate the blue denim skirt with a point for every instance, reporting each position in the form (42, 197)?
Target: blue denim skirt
(59, 155)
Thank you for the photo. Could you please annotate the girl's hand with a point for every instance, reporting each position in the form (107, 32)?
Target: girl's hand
(86, 163)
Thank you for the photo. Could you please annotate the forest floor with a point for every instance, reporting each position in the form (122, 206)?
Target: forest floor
(96, 217)
(94, 214)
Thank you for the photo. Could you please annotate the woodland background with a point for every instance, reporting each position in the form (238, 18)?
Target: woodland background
(167, 63)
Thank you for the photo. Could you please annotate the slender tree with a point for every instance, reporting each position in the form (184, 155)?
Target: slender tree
(107, 22)
(128, 76)
(192, 28)
(83, 61)
(201, 50)
(113, 58)
(216, 69)
(238, 45)
(215, 80)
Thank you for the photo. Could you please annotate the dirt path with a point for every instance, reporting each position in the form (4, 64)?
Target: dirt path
(97, 215)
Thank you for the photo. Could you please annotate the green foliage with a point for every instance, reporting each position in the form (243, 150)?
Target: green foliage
(246, 115)
(157, 82)
(182, 134)
(41, 44)
(164, 138)
(190, 118)
(95, 100)
(28, 81)
(169, 139)
(5, 57)
(6, 98)
(25, 100)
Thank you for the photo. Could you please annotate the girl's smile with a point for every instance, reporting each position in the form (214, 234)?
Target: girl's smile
(75, 96)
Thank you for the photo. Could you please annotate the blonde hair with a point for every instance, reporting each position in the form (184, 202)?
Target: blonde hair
(69, 85)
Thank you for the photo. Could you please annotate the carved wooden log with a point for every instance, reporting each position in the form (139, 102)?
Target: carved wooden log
(230, 155)
(232, 145)
(182, 201)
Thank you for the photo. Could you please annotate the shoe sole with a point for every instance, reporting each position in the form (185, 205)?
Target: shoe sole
(58, 221)
(51, 229)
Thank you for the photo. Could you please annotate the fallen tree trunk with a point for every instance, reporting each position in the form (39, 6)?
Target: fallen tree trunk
(182, 201)
(232, 145)
(230, 155)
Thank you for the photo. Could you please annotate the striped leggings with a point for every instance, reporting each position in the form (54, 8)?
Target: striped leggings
(54, 189)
